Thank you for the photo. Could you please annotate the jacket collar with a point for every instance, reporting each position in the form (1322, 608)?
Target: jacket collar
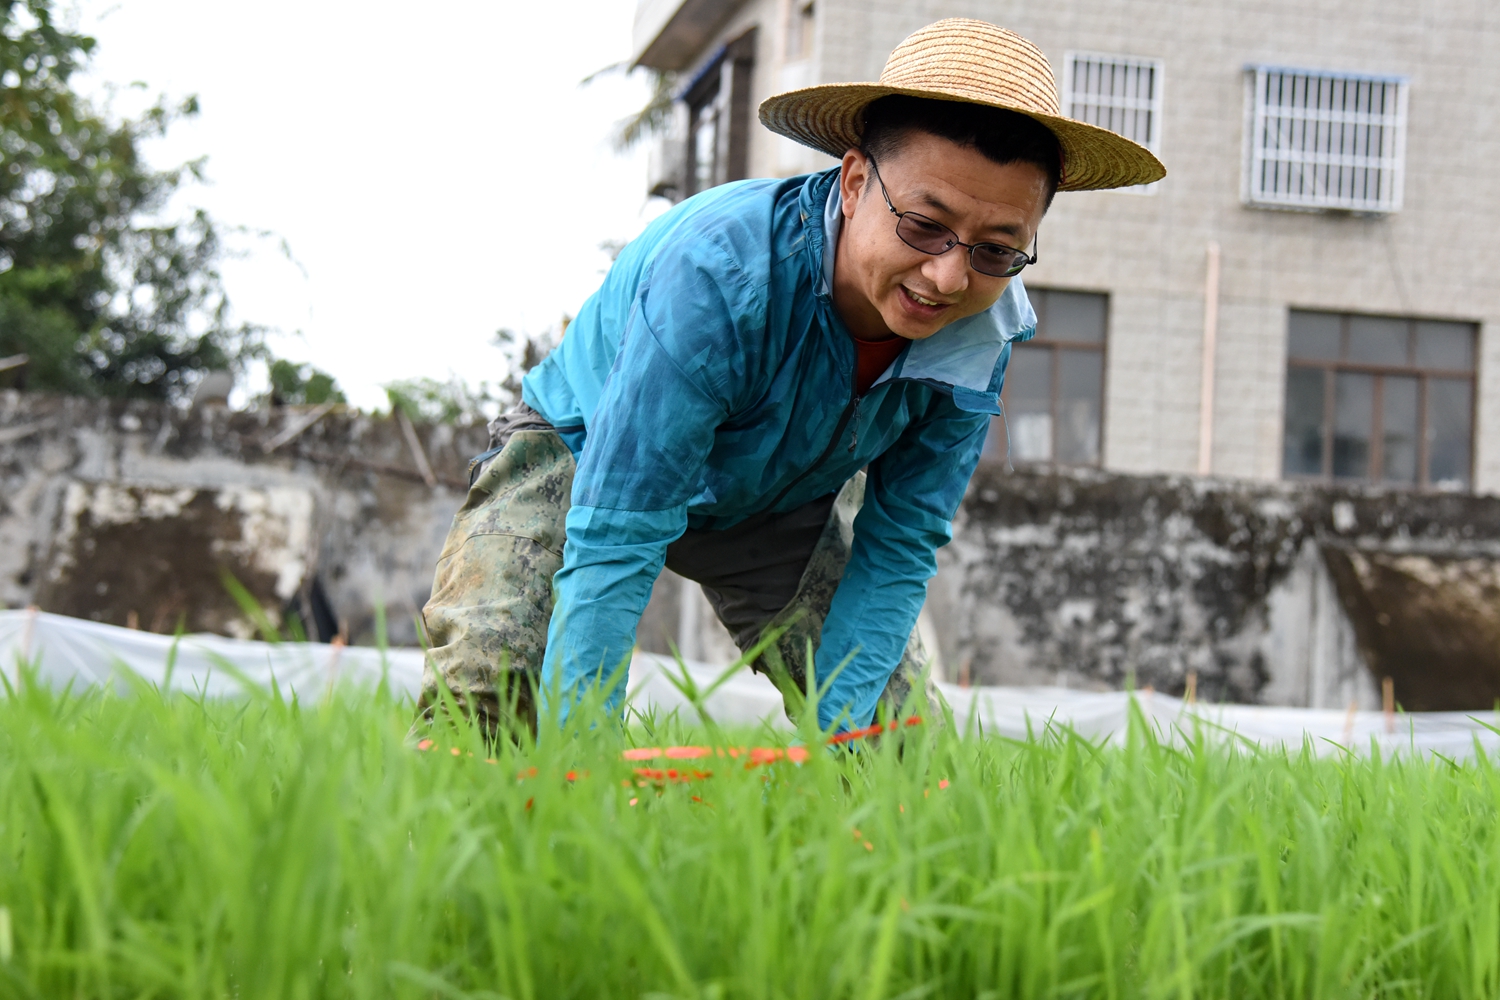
(966, 357)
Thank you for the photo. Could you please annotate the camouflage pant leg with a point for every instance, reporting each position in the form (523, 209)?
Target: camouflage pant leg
(492, 593)
(786, 661)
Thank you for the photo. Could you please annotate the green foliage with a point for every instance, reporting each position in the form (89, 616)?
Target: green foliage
(524, 351)
(427, 400)
(103, 294)
(654, 116)
(177, 846)
(293, 385)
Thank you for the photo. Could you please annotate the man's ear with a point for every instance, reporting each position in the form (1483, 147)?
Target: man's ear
(854, 175)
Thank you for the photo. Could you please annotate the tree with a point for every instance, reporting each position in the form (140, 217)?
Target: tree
(654, 117)
(524, 351)
(428, 400)
(104, 295)
(304, 385)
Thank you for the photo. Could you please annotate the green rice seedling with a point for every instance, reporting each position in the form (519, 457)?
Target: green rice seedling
(168, 845)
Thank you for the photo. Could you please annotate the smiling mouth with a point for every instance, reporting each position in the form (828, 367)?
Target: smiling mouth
(922, 300)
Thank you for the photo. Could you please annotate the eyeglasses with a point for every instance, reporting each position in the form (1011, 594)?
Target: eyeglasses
(932, 237)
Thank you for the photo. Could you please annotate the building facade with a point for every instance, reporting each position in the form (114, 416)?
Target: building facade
(1304, 297)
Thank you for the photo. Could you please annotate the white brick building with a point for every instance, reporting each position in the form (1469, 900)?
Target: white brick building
(1384, 110)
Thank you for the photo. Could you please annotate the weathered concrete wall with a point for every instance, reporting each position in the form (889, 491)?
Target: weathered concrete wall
(1268, 592)
(131, 513)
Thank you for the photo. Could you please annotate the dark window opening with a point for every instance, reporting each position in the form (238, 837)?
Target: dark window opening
(1054, 388)
(719, 107)
(1379, 399)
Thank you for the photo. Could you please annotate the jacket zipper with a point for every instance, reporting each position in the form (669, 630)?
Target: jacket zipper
(850, 409)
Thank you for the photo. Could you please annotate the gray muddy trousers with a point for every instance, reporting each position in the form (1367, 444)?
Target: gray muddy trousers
(492, 594)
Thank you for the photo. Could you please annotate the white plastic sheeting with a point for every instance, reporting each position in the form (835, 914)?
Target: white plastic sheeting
(87, 653)
(1017, 712)
(69, 650)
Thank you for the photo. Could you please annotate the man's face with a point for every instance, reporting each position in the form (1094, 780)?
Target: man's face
(881, 285)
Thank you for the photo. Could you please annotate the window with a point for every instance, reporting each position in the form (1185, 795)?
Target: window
(1054, 387)
(799, 30)
(719, 117)
(706, 130)
(1319, 140)
(1120, 93)
(1379, 399)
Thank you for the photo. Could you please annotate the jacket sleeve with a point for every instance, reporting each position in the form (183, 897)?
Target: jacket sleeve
(912, 494)
(674, 381)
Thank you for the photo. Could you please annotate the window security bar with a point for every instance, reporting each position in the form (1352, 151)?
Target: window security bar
(1117, 92)
(1325, 140)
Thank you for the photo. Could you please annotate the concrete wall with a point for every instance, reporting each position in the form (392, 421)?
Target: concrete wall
(1148, 252)
(131, 512)
(1270, 593)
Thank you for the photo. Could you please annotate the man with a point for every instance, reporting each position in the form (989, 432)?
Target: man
(715, 402)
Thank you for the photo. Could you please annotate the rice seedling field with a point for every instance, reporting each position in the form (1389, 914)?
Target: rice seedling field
(172, 846)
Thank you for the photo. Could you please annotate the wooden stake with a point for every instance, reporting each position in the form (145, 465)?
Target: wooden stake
(296, 427)
(1191, 697)
(19, 431)
(1349, 718)
(415, 444)
(1388, 703)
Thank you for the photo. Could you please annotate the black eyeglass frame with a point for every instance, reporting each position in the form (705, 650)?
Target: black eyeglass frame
(953, 240)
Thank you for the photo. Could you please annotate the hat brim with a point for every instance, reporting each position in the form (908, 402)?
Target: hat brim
(829, 118)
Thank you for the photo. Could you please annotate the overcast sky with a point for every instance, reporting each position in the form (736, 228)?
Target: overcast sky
(436, 175)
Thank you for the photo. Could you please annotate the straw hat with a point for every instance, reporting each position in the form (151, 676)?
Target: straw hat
(958, 59)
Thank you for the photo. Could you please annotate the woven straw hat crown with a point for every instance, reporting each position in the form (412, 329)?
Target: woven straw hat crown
(975, 62)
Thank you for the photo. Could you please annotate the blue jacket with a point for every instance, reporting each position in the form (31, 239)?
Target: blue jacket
(709, 379)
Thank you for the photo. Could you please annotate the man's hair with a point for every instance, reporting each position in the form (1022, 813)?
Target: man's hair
(1000, 136)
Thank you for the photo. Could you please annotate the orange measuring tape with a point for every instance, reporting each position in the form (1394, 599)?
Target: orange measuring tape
(753, 756)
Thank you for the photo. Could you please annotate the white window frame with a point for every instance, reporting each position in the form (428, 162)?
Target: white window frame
(1077, 102)
(1293, 148)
